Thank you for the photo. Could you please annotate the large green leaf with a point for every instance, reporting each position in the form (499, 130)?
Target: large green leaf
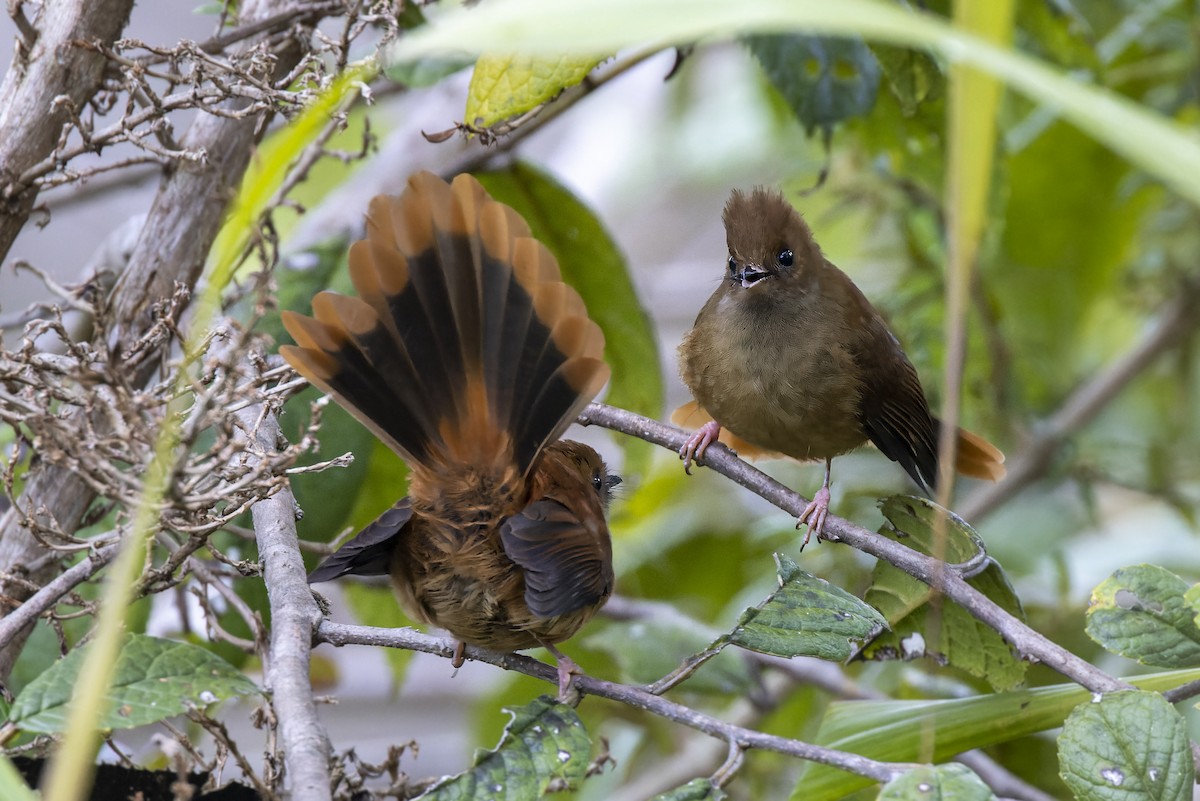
(911, 731)
(824, 80)
(1074, 275)
(806, 616)
(1141, 612)
(946, 632)
(545, 747)
(592, 264)
(153, 679)
(1126, 745)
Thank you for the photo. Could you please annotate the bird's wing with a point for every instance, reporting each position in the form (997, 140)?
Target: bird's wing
(369, 552)
(567, 564)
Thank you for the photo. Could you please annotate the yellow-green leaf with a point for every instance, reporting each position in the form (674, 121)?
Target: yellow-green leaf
(504, 86)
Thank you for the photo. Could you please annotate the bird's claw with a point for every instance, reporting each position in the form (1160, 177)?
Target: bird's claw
(814, 516)
(460, 656)
(694, 448)
(567, 670)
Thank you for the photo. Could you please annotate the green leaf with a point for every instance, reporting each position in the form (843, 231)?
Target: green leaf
(952, 782)
(910, 731)
(1141, 612)
(824, 80)
(695, 790)
(1192, 599)
(948, 632)
(807, 616)
(543, 748)
(12, 783)
(153, 679)
(1128, 745)
(912, 76)
(647, 651)
(505, 86)
(592, 264)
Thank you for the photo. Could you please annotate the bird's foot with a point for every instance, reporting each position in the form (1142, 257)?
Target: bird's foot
(814, 515)
(697, 444)
(460, 656)
(567, 670)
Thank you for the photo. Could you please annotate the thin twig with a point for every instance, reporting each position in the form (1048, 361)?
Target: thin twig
(44, 599)
(344, 634)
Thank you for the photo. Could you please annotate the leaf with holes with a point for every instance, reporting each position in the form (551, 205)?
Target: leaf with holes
(937, 781)
(505, 86)
(1141, 612)
(154, 679)
(544, 749)
(946, 632)
(806, 616)
(824, 80)
(1129, 744)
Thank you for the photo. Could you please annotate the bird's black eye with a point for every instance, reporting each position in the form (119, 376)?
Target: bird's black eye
(785, 257)
(604, 483)
(732, 265)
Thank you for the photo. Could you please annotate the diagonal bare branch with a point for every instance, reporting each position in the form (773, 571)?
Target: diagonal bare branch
(1029, 643)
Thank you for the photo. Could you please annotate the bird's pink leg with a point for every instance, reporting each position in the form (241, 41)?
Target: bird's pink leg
(815, 513)
(566, 670)
(697, 444)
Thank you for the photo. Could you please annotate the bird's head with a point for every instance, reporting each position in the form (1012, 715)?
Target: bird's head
(770, 245)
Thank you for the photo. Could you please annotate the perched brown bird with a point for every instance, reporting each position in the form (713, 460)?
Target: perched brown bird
(467, 355)
(791, 358)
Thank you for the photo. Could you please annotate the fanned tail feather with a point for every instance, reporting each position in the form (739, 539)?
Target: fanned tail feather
(463, 346)
(978, 458)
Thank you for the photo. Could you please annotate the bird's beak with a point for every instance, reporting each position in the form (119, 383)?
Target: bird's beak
(751, 275)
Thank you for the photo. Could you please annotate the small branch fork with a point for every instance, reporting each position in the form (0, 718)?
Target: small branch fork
(1027, 642)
